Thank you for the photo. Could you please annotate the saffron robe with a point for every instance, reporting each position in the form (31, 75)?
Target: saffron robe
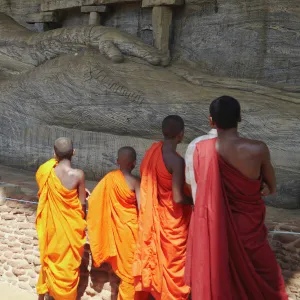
(61, 232)
(228, 255)
(112, 228)
(163, 229)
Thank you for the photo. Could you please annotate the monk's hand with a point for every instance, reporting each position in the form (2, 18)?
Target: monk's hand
(264, 189)
(114, 44)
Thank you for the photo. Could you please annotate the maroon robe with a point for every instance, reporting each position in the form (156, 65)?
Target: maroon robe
(228, 256)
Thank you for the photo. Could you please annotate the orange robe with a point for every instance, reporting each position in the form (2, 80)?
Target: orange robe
(112, 228)
(61, 231)
(163, 231)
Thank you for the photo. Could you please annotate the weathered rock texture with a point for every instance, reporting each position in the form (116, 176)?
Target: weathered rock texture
(62, 83)
(237, 38)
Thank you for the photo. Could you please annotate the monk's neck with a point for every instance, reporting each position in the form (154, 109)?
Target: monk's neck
(170, 144)
(125, 171)
(228, 133)
(65, 163)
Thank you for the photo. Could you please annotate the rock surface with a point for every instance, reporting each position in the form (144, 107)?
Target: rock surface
(80, 93)
(236, 38)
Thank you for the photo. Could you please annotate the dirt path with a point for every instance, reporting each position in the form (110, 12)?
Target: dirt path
(9, 292)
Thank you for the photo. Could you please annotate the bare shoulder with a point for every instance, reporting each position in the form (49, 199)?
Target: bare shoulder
(254, 146)
(79, 174)
(178, 160)
(135, 179)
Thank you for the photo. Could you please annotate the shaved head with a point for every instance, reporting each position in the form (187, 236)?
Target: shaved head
(172, 126)
(127, 153)
(63, 148)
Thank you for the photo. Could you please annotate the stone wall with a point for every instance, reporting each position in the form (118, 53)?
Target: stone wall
(20, 262)
(236, 38)
(19, 258)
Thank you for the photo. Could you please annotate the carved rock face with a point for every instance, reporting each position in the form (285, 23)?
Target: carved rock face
(233, 38)
(103, 106)
(240, 38)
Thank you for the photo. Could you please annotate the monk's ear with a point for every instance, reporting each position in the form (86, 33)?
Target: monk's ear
(74, 151)
(211, 122)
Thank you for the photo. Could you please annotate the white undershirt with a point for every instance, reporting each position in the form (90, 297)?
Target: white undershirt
(189, 160)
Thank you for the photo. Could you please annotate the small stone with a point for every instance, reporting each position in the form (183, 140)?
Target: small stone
(297, 244)
(8, 254)
(13, 204)
(31, 219)
(20, 263)
(13, 281)
(5, 209)
(36, 261)
(23, 226)
(23, 278)
(30, 233)
(7, 216)
(11, 238)
(26, 240)
(33, 283)
(285, 238)
(15, 245)
(30, 258)
(6, 267)
(3, 248)
(36, 252)
(17, 250)
(5, 229)
(9, 274)
(18, 272)
(26, 247)
(21, 218)
(35, 242)
(24, 286)
(17, 256)
(31, 274)
(37, 269)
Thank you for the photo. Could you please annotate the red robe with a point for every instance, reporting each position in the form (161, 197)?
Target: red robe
(228, 255)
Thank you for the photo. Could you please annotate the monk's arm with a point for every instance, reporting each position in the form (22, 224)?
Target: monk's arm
(137, 191)
(267, 169)
(178, 181)
(82, 191)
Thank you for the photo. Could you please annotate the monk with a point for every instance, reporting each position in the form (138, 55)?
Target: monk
(113, 221)
(228, 255)
(164, 218)
(60, 223)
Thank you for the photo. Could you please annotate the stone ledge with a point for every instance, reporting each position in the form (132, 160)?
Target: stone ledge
(98, 8)
(7, 190)
(152, 3)
(52, 5)
(43, 17)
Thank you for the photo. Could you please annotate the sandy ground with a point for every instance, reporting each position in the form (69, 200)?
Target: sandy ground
(13, 293)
